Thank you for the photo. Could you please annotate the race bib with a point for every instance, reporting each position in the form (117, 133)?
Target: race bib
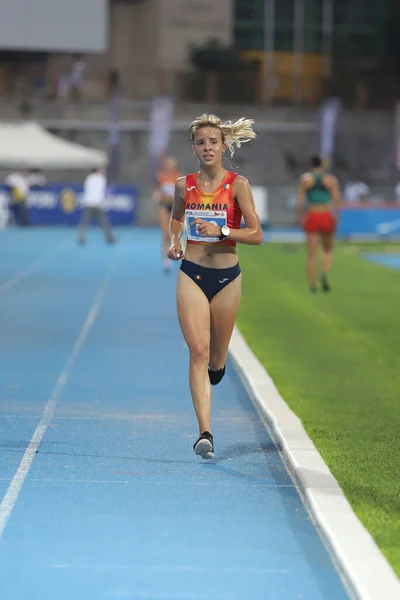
(216, 217)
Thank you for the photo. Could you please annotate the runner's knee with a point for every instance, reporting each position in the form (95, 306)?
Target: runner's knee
(199, 352)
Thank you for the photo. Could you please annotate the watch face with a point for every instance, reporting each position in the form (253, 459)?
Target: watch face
(225, 230)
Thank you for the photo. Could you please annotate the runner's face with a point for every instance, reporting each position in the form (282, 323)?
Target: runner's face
(208, 146)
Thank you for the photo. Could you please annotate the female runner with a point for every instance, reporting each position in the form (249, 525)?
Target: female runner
(212, 201)
(318, 205)
(164, 196)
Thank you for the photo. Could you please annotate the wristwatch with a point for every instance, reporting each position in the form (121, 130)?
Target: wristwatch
(225, 231)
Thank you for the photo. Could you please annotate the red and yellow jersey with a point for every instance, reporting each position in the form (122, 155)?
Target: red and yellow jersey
(166, 182)
(219, 208)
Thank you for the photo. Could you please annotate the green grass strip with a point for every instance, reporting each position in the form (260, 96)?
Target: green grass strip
(335, 359)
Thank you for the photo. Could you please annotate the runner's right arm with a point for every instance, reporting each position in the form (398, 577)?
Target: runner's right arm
(300, 197)
(177, 220)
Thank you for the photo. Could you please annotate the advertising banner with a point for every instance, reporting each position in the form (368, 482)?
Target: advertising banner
(61, 204)
(372, 221)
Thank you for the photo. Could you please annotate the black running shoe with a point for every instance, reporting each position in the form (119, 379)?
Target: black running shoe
(204, 446)
(325, 284)
(313, 290)
(216, 376)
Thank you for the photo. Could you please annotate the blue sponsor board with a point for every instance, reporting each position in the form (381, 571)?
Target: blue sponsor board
(372, 221)
(60, 204)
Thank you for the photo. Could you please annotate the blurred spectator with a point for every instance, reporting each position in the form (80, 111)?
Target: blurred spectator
(25, 105)
(18, 187)
(113, 83)
(53, 74)
(355, 191)
(76, 77)
(63, 85)
(94, 195)
(39, 82)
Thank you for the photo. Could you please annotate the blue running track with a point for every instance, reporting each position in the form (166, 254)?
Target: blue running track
(115, 504)
(391, 261)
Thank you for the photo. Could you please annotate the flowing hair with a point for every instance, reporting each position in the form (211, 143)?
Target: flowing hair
(234, 133)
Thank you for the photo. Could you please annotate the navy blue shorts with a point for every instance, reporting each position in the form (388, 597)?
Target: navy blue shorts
(210, 281)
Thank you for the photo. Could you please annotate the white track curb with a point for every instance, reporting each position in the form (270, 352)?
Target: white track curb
(363, 567)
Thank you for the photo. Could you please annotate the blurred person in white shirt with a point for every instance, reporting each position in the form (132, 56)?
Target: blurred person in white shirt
(18, 187)
(94, 195)
(355, 191)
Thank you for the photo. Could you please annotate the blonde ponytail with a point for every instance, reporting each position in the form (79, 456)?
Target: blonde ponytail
(234, 133)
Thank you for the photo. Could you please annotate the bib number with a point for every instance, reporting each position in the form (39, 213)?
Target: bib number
(215, 217)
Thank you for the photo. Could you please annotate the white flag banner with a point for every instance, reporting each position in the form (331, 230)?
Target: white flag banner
(328, 120)
(160, 125)
(397, 136)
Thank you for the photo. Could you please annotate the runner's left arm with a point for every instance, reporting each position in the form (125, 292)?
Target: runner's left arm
(251, 234)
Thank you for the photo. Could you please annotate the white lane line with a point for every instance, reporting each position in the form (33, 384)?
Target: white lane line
(37, 480)
(11, 496)
(9, 283)
(363, 567)
(140, 477)
(110, 417)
